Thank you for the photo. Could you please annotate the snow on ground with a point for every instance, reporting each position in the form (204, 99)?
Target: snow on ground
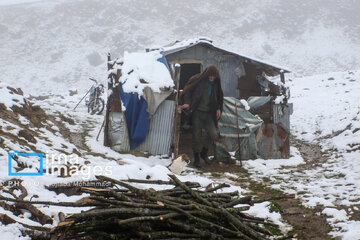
(326, 112)
(110, 163)
(51, 47)
(261, 210)
(324, 104)
(12, 231)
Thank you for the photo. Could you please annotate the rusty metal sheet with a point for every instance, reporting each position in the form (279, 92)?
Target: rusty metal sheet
(274, 143)
(158, 140)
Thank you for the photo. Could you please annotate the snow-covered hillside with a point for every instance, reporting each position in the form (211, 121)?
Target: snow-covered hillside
(50, 47)
(326, 113)
(68, 138)
(63, 42)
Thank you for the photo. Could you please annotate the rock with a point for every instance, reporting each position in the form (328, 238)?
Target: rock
(17, 91)
(72, 93)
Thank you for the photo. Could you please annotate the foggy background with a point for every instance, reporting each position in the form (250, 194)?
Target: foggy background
(66, 41)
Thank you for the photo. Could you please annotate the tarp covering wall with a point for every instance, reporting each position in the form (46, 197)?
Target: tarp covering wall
(137, 118)
(239, 127)
(144, 76)
(118, 132)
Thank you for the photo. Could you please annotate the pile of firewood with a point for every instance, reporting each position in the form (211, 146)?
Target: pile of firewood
(119, 210)
(125, 212)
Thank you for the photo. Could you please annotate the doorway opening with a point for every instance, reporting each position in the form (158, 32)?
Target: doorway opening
(187, 70)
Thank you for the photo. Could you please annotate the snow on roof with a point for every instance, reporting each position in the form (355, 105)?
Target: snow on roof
(142, 69)
(180, 45)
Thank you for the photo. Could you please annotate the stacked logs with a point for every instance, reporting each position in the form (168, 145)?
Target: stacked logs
(123, 211)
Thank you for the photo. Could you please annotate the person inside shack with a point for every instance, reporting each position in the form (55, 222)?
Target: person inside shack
(203, 98)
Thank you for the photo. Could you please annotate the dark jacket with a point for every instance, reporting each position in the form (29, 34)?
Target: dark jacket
(194, 88)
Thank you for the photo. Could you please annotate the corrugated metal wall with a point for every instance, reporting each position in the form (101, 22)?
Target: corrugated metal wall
(226, 64)
(282, 115)
(275, 142)
(161, 128)
(229, 83)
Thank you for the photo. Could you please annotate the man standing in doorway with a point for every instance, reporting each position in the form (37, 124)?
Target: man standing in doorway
(203, 97)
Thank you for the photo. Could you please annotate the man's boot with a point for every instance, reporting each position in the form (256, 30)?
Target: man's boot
(204, 156)
(196, 160)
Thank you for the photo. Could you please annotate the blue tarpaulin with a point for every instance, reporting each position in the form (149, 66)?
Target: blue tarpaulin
(137, 118)
(163, 60)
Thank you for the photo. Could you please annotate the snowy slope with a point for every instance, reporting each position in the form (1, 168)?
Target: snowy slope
(51, 47)
(52, 140)
(326, 113)
(63, 42)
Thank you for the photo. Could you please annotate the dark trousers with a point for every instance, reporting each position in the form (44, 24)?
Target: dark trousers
(202, 120)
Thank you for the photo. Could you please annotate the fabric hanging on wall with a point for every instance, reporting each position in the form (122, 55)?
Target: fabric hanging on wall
(137, 118)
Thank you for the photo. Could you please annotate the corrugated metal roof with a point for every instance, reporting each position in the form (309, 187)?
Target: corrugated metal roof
(181, 45)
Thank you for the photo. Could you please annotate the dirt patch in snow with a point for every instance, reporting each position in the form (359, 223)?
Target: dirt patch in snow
(310, 152)
(307, 223)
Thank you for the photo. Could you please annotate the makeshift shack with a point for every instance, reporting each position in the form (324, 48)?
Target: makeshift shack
(143, 94)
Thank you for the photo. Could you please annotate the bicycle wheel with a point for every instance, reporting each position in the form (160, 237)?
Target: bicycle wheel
(96, 106)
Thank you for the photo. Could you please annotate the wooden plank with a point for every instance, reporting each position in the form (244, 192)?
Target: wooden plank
(177, 117)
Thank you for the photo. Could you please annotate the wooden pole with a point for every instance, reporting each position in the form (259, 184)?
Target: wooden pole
(282, 76)
(107, 142)
(238, 132)
(102, 125)
(82, 99)
(177, 117)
